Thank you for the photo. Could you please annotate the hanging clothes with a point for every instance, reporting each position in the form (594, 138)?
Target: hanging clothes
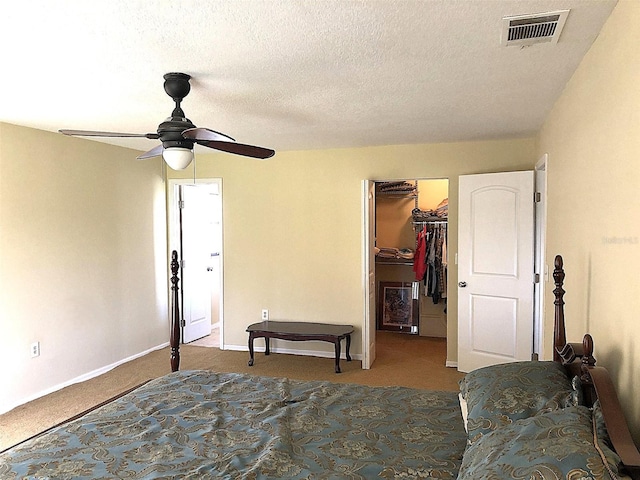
(419, 264)
(430, 262)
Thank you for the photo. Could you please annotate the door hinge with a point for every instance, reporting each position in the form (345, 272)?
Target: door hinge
(536, 197)
(180, 203)
(183, 323)
(182, 263)
(536, 278)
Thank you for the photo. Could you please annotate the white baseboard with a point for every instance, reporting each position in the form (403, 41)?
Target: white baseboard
(451, 364)
(81, 378)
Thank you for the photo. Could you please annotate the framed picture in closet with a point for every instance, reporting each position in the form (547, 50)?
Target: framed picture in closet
(397, 307)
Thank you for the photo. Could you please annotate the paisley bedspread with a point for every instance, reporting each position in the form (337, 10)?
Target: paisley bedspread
(201, 424)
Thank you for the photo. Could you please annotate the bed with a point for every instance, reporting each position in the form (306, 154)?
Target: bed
(555, 419)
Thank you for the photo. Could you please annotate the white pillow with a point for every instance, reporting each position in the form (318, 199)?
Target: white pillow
(463, 409)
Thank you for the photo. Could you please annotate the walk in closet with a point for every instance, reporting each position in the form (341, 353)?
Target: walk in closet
(411, 256)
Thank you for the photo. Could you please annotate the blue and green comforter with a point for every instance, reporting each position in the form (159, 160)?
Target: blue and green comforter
(201, 424)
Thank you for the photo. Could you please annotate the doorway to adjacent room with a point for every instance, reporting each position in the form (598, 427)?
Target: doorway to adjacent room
(195, 223)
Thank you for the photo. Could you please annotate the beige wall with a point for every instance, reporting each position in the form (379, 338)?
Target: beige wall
(83, 266)
(432, 193)
(393, 222)
(292, 226)
(593, 139)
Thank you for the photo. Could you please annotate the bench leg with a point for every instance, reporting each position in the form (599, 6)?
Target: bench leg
(348, 347)
(251, 337)
(337, 344)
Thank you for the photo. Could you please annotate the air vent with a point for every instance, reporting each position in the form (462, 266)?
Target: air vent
(531, 29)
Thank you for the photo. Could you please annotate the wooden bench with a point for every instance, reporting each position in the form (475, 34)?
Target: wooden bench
(301, 331)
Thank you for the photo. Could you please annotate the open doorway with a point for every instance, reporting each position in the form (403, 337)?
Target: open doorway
(408, 249)
(195, 223)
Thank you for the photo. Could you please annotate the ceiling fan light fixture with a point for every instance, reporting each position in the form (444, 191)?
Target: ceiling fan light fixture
(177, 158)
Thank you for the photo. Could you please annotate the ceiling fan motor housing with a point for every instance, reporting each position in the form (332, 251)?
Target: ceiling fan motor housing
(170, 132)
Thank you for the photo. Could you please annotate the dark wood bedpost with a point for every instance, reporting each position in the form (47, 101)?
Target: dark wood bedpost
(559, 333)
(174, 340)
(597, 383)
(564, 352)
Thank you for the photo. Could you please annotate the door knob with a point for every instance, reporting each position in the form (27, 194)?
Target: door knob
(462, 284)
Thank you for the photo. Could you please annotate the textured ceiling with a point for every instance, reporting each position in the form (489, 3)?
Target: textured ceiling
(289, 74)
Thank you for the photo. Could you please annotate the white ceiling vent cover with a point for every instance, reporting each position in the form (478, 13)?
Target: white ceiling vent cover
(531, 29)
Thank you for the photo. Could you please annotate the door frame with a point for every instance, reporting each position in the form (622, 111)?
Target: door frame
(368, 243)
(540, 267)
(174, 232)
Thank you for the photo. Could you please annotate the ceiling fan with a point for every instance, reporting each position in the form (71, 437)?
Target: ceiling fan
(178, 135)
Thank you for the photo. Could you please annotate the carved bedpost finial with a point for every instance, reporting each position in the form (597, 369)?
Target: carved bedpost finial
(587, 347)
(559, 332)
(588, 360)
(174, 340)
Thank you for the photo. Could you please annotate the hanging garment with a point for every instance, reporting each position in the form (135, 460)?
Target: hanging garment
(435, 264)
(443, 275)
(419, 265)
(442, 285)
(432, 248)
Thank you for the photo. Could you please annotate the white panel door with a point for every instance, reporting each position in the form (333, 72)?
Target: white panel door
(495, 269)
(198, 245)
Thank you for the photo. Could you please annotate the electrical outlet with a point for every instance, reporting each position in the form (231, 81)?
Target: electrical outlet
(265, 314)
(35, 349)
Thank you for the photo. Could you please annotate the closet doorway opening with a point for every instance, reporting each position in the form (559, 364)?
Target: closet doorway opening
(410, 248)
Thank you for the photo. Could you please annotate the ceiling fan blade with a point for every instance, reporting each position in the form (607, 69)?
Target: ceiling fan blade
(239, 148)
(154, 152)
(206, 134)
(90, 133)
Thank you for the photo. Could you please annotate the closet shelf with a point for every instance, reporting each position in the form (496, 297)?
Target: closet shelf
(394, 261)
(397, 195)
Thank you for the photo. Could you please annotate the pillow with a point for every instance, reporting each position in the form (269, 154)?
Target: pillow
(464, 410)
(577, 397)
(551, 445)
(499, 394)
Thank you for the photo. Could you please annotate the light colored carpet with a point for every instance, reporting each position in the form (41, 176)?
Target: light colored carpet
(405, 360)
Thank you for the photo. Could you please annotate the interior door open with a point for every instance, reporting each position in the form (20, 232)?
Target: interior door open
(198, 252)
(369, 262)
(495, 268)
